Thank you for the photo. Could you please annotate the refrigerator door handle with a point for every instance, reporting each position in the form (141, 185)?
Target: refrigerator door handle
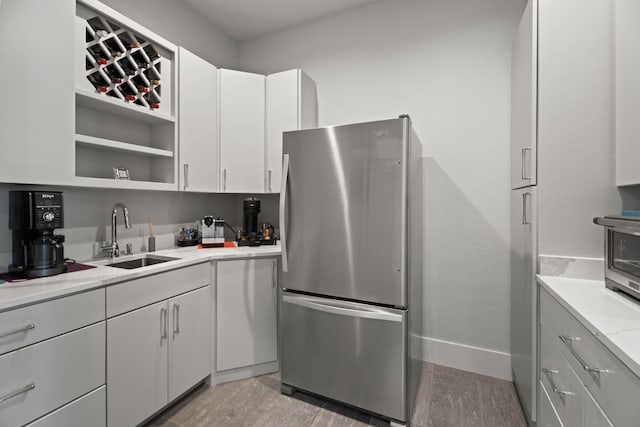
(283, 203)
(343, 308)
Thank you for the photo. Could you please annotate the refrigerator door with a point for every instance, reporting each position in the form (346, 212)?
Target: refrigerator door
(353, 353)
(343, 211)
(524, 297)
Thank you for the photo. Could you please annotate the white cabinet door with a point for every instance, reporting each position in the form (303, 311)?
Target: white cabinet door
(524, 296)
(37, 106)
(190, 338)
(198, 125)
(137, 365)
(246, 313)
(524, 99)
(242, 97)
(291, 104)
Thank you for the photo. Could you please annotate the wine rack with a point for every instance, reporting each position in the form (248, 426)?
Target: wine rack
(125, 101)
(122, 64)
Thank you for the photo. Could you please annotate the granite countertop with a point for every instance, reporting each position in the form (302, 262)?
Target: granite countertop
(612, 317)
(17, 294)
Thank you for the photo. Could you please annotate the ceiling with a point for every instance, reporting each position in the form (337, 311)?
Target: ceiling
(243, 19)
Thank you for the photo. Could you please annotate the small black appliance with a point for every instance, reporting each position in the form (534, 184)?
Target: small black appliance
(33, 217)
(251, 235)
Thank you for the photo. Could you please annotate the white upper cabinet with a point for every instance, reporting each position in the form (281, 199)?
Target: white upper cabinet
(198, 128)
(627, 69)
(523, 99)
(291, 104)
(242, 106)
(37, 102)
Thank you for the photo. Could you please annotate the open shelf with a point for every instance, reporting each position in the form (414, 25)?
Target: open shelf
(118, 107)
(123, 184)
(109, 144)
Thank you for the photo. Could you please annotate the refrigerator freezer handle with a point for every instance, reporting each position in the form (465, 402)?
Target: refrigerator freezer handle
(283, 205)
(374, 313)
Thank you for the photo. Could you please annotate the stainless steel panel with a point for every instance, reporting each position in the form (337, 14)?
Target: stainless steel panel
(336, 349)
(344, 215)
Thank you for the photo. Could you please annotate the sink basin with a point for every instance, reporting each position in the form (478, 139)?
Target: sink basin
(143, 261)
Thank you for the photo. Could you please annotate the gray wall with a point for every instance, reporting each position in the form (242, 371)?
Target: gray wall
(447, 64)
(87, 217)
(181, 24)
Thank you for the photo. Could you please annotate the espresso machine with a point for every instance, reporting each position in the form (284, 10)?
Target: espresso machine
(33, 217)
(212, 232)
(251, 234)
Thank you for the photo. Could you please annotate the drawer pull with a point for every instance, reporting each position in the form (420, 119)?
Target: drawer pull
(17, 330)
(18, 392)
(566, 340)
(550, 372)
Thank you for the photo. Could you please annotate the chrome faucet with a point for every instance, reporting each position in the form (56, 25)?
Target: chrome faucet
(112, 247)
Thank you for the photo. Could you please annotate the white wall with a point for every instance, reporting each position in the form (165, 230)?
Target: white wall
(181, 24)
(447, 64)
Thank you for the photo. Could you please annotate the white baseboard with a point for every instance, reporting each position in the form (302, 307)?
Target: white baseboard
(466, 357)
(245, 372)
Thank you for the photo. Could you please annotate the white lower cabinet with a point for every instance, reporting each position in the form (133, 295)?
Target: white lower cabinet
(246, 313)
(155, 354)
(585, 383)
(40, 378)
(88, 410)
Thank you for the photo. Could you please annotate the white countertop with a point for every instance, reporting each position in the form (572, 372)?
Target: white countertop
(16, 294)
(612, 317)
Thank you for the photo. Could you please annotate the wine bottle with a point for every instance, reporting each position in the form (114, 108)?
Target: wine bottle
(98, 54)
(141, 61)
(99, 82)
(151, 52)
(114, 73)
(128, 67)
(128, 92)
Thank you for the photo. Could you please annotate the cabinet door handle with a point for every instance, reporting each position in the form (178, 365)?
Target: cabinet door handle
(186, 176)
(176, 318)
(224, 179)
(283, 205)
(568, 341)
(524, 162)
(163, 323)
(17, 330)
(525, 220)
(269, 186)
(274, 274)
(17, 392)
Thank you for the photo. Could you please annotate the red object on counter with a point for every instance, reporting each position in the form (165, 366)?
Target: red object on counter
(226, 245)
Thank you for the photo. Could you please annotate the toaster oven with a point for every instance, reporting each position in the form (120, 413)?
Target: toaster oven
(622, 253)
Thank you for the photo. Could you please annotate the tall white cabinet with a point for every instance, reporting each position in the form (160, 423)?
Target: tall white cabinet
(561, 146)
(198, 125)
(242, 106)
(291, 104)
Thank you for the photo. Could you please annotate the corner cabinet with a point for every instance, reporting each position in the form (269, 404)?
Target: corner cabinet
(198, 126)
(242, 105)
(246, 318)
(125, 109)
(291, 104)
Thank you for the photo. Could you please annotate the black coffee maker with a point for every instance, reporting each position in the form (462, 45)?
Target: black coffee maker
(251, 235)
(33, 216)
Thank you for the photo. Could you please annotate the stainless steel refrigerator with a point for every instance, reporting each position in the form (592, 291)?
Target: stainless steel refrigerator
(350, 225)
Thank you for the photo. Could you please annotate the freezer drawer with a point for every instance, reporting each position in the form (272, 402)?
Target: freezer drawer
(353, 353)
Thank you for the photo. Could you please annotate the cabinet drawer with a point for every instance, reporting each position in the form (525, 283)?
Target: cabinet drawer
(548, 417)
(60, 370)
(88, 410)
(563, 386)
(137, 293)
(593, 415)
(613, 385)
(28, 325)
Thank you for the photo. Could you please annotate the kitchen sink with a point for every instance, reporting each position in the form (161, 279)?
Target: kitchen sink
(143, 261)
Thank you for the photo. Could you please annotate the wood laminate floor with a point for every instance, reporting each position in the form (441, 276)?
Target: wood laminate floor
(446, 398)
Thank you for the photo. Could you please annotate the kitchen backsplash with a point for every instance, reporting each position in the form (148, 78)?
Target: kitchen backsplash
(575, 267)
(87, 217)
